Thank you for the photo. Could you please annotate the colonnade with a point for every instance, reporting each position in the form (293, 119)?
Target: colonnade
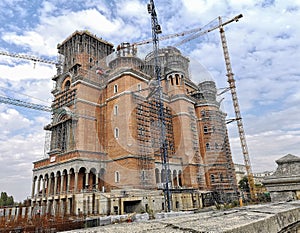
(66, 181)
(174, 178)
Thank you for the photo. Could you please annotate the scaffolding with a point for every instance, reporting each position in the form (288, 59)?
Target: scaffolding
(219, 165)
(195, 143)
(148, 136)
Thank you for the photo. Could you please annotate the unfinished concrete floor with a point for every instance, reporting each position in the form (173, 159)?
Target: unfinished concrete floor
(267, 218)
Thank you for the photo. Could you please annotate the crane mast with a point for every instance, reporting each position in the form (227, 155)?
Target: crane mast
(237, 111)
(156, 29)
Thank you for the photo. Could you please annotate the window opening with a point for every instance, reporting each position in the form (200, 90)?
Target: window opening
(116, 110)
(116, 133)
(207, 146)
(116, 88)
(67, 85)
(139, 87)
(212, 178)
(117, 177)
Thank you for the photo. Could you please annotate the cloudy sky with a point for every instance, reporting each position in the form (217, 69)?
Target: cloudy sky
(263, 45)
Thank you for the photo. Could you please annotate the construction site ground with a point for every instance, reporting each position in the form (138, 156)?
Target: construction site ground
(264, 218)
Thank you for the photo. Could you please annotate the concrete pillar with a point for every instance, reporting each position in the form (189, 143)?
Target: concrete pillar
(62, 183)
(18, 212)
(48, 207)
(29, 212)
(76, 181)
(33, 187)
(68, 183)
(54, 207)
(86, 180)
(68, 206)
(39, 185)
(97, 180)
(55, 185)
(159, 177)
(170, 178)
(43, 187)
(13, 213)
(49, 186)
(62, 207)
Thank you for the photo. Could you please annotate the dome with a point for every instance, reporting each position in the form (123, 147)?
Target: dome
(199, 73)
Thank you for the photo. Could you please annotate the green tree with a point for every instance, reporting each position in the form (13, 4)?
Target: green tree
(244, 185)
(6, 200)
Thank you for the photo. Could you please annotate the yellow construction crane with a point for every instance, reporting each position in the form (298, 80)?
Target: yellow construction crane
(237, 111)
(232, 88)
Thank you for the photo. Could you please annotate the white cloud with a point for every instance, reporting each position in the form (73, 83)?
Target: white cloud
(8, 121)
(26, 70)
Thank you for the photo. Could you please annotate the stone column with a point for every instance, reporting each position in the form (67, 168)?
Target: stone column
(67, 206)
(76, 181)
(97, 180)
(55, 185)
(33, 187)
(62, 183)
(49, 186)
(39, 185)
(86, 180)
(170, 178)
(43, 188)
(159, 177)
(68, 183)
(62, 207)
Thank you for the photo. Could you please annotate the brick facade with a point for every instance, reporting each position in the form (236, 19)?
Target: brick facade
(106, 130)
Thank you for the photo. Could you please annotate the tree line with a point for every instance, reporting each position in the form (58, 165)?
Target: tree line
(6, 200)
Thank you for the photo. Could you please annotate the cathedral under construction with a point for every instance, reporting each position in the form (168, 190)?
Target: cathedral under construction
(105, 135)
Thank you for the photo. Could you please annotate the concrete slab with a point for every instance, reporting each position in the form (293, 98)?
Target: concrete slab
(265, 218)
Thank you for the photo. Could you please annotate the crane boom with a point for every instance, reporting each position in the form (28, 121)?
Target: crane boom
(169, 36)
(21, 103)
(40, 107)
(238, 116)
(30, 57)
(200, 33)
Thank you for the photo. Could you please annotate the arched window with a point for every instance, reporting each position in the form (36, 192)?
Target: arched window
(116, 88)
(177, 79)
(157, 175)
(216, 146)
(221, 177)
(116, 110)
(169, 176)
(207, 146)
(175, 182)
(180, 178)
(212, 178)
(163, 176)
(116, 133)
(205, 129)
(67, 85)
(171, 78)
(139, 87)
(143, 175)
(60, 132)
(117, 177)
